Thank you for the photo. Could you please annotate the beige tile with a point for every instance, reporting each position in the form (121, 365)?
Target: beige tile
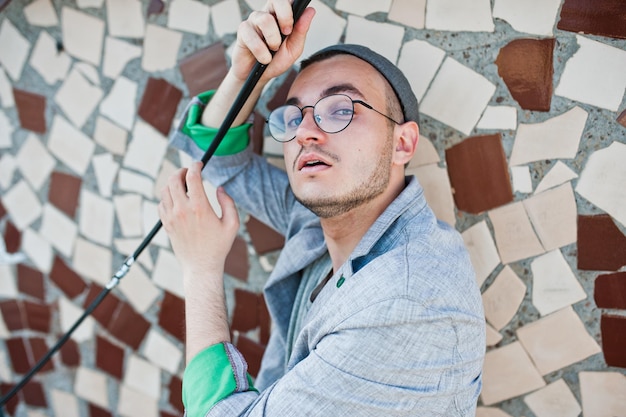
(163, 353)
(522, 182)
(118, 53)
(419, 61)
(89, 72)
(105, 169)
(139, 289)
(133, 402)
(6, 91)
(167, 170)
(38, 250)
(503, 298)
(119, 105)
(96, 217)
(84, 4)
(41, 13)
(22, 205)
(78, 98)
(508, 372)
(554, 284)
(110, 136)
(82, 35)
(91, 386)
(8, 288)
(536, 17)
(52, 65)
(559, 174)
(498, 117)
(557, 340)
(457, 96)
(326, 29)
(149, 217)
(69, 313)
(459, 15)
(92, 261)
(603, 393)
(189, 16)
(564, 131)
(602, 180)
(554, 400)
(6, 131)
(127, 247)
(493, 336)
(14, 49)
(437, 190)
(425, 154)
(226, 17)
(128, 211)
(64, 403)
(363, 7)
(384, 38)
(490, 412)
(146, 149)
(70, 145)
(514, 234)
(5, 368)
(136, 183)
(58, 229)
(142, 376)
(168, 274)
(34, 161)
(482, 250)
(410, 13)
(160, 48)
(125, 18)
(8, 165)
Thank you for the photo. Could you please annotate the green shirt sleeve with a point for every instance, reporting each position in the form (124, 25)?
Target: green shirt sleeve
(235, 140)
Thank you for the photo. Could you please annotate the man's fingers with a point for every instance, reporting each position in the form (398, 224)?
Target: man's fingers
(193, 178)
(230, 217)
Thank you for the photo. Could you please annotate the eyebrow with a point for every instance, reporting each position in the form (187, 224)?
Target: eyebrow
(336, 89)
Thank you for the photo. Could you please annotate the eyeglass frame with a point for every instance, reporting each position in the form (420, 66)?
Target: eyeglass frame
(353, 101)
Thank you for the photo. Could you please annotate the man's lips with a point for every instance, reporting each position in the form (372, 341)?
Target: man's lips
(311, 161)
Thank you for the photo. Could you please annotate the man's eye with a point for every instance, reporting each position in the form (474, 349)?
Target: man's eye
(342, 112)
(293, 122)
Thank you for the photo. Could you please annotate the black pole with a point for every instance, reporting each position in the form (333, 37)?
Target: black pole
(257, 71)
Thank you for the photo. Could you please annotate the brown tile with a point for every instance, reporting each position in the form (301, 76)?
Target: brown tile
(12, 314)
(159, 103)
(70, 354)
(37, 316)
(155, 7)
(11, 405)
(246, 312)
(265, 321)
(172, 315)
(280, 96)
(252, 352)
(613, 329)
(109, 357)
(34, 395)
(31, 109)
(128, 326)
(257, 134)
(104, 312)
(479, 174)
(19, 355)
(526, 67)
(66, 279)
(166, 414)
(237, 264)
(30, 281)
(610, 291)
(95, 411)
(12, 237)
(3, 211)
(594, 17)
(601, 245)
(621, 119)
(204, 69)
(176, 393)
(64, 192)
(264, 238)
(39, 348)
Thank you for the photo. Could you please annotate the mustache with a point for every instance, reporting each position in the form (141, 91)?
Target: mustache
(317, 149)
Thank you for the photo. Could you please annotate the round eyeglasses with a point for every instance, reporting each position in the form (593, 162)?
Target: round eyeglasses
(332, 114)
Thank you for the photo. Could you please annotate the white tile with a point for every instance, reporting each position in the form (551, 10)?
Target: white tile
(554, 400)
(490, 412)
(146, 149)
(363, 7)
(554, 284)
(410, 13)
(41, 13)
(8, 288)
(84, 4)
(168, 273)
(503, 298)
(554, 216)
(14, 49)
(384, 38)
(425, 154)
(493, 337)
(6, 131)
(514, 234)
(6, 90)
(457, 96)
(8, 164)
(128, 210)
(564, 132)
(58, 229)
(125, 18)
(91, 386)
(142, 376)
(522, 182)
(105, 169)
(139, 289)
(437, 190)
(92, 261)
(226, 17)
(5, 368)
(22, 205)
(34, 161)
(167, 170)
(498, 117)
(160, 48)
(163, 353)
(52, 65)
(69, 314)
(459, 15)
(559, 174)
(136, 183)
(602, 393)
(603, 178)
(536, 17)
(557, 340)
(38, 250)
(110, 136)
(64, 403)
(133, 402)
(70, 145)
(326, 29)
(118, 53)
(78, 98)
(482, 250)
(119, 105)
(419, 61)
(89, 72)
(256, 4)
(508, 372)
(189, 16)
(128, 246)
(82, 35)
(96, 217)
(594, 75)
(150, 216)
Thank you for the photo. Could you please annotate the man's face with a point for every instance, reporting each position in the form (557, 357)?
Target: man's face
(334, 173)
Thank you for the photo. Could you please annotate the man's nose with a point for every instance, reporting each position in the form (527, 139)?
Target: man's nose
(308, 129)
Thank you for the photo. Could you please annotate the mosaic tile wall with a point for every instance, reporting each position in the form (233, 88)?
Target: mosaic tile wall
(523, 150)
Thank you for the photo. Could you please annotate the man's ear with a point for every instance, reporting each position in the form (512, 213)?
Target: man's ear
(406, 137)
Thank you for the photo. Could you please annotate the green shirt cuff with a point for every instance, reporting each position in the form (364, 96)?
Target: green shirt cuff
(235, 140)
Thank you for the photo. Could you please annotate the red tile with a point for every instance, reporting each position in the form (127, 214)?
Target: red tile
(610, 291)
(265, 321)
(39, 348)
(594, 17)
(107, 308)
(155, 7)
(601, 245)
(95, 411)
(109, 357)
(176, 393)
(3, 211)
(37, 316)
(246, 311)
(280, 96)
(526, 67)
(257, 134)
(11, 405)
(34, 395)
(66, 279)
(264, 238)
(613, 329)
(252, 352)
(19, 355)
(30, 282)
(13, 315)
(237, 264)
(70, 354)
(31, 109)
(128, 326)
(64, 192)
(12, 237)
(479, 174)
(167, 414)
(204, 69)
(172, 315)
(621, 119)
(159, 103)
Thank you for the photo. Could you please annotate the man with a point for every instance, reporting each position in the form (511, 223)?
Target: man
(374, 303)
